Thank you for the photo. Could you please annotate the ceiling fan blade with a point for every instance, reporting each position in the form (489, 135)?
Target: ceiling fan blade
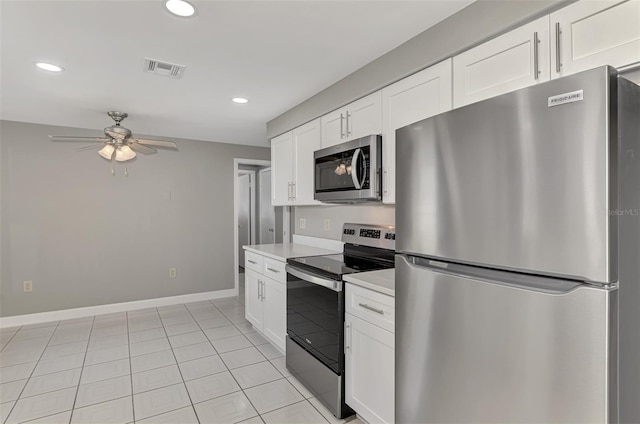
(90, 147)
(73, 138)
(159, 143)
(142, 149)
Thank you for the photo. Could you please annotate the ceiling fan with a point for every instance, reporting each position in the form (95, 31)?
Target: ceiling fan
(117, 144)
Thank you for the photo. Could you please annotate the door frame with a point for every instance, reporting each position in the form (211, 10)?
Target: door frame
(236, 164)
(252, 207)
(259, 214)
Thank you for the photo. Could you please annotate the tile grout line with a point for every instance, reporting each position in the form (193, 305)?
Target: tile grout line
(32, 371)
(10, 338)
(75, 399)
(133, 406)
(227, 367)
(234, 377)
(184, 383)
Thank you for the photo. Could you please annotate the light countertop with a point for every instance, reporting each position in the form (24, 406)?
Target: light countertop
(283, 251)
(382, 281)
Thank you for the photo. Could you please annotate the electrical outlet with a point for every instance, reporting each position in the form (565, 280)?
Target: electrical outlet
(303, 223)
(173, 273)
(27, 286)
(327, 224)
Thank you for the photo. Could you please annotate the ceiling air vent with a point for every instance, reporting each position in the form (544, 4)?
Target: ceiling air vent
(166, 69)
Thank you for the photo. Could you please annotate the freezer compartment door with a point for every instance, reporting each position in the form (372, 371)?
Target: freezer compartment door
(525, 181)
(470, 350)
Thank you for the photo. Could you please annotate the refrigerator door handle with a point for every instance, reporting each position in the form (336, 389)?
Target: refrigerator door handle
(549, 285)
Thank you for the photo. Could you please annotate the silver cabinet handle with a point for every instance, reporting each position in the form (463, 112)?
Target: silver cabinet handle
(252, 262)
(536, 41)
(293, 190)
(558, 59)
(341, 126)
(262, 282)
(371, 308)
(349, 120)
(273, 270)
(347, 336)
(385, 182)
(259, 285)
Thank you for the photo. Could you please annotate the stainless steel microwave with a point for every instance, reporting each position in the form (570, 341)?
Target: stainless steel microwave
(349, 172)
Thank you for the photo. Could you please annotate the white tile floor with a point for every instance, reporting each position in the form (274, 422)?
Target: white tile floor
(195, 363)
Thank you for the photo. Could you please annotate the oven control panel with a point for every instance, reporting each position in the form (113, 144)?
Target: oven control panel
(381, 236)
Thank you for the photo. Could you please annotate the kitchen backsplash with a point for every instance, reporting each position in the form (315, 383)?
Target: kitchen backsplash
(314, 218)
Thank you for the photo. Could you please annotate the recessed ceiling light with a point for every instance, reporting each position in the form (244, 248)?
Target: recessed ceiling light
(180, 8)
(49, 67)
(239, 100)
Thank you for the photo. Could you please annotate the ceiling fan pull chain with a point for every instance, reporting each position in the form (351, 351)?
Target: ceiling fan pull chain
(126, 172)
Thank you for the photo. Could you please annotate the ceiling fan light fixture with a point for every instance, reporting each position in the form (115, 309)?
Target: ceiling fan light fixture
(49, 67)
(106, 151)
(124, 153)
(180, 8)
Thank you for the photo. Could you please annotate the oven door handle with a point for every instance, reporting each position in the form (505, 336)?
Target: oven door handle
(324, 282)
(354, 169)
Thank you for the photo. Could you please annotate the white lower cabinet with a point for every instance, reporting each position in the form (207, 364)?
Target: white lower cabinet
(266, 298)
(369, 354)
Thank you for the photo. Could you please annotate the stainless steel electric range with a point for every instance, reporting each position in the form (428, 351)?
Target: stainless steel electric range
(315, 309)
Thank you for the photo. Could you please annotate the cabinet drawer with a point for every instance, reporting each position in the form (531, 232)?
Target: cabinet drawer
(275, 270)
(253, 261)
(371, 306)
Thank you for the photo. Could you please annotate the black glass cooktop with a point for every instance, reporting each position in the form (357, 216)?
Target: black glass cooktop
(335, 266)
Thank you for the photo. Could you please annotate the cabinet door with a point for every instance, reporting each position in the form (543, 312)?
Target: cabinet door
(504, 64)
(252, 299)
(282, 169)
(369, 369)
(275, 312)
(364, 117)
(306, 140)
(595, 33)
(412, 99)
(333, 128)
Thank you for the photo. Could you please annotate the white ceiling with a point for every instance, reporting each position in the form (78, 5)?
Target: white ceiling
(275, 53)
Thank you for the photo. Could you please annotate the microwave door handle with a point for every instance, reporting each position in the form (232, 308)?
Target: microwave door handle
(354, 169)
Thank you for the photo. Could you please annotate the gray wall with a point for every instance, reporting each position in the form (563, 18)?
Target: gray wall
(339, 214)
(474, 24)
(88, 238)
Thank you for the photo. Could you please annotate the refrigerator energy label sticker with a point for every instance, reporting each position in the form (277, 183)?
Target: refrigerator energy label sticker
(560, 99)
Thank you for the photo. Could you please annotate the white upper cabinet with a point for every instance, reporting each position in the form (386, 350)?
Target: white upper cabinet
(517, 59)
(282, 156)
(306, 140)
(358, 119)
(588, 34)
(412, 99)
(292, 165)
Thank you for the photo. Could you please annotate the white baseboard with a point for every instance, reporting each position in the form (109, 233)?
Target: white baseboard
(40, 317)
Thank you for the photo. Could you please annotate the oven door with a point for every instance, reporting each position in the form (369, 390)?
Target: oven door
(348, 172)
(315, 316)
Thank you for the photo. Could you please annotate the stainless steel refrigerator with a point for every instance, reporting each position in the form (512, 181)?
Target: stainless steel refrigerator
(518, 274)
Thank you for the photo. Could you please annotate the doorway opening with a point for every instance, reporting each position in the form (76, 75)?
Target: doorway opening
(257, 220)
